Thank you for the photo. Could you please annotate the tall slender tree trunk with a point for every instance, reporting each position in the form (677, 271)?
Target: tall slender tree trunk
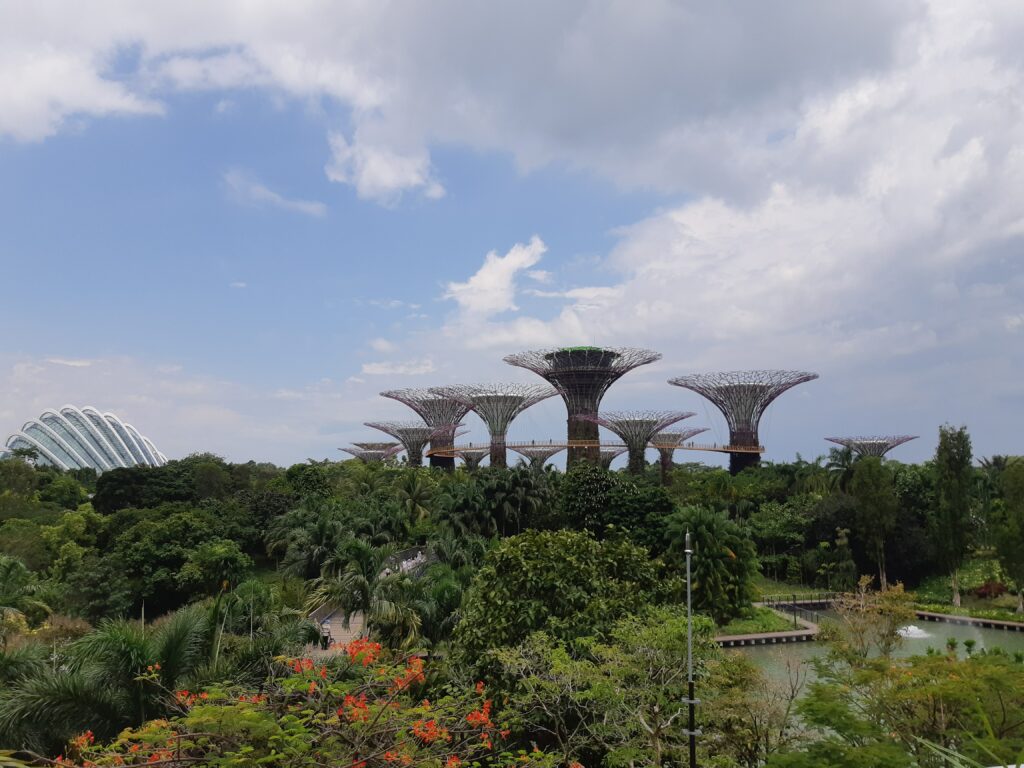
(1020, 600)
(883, 582)
(956, 587)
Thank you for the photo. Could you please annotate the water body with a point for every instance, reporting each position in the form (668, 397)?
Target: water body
(777, 660)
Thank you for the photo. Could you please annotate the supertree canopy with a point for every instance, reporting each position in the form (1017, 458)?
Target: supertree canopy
(667, 442)
(582, 375)
(742, 397)
(372, 455)
(437, 411)
(607, 454)
(636, 428)
(498, 405)
(472, 456)
(378, 446)
(875, 445)
(412, 434)
(537, 453)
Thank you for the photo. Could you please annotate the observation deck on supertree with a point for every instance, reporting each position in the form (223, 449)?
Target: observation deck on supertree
(373, 455)
(438, 411)
(582, 376)
(413, 435)
(742, 397)
(636, 428)
(666, 443)
(875, 445)
(608, 453)
(497, 405)
(472, 456)
(537, 453)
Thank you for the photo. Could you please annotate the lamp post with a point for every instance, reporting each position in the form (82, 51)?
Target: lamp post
(691, 701)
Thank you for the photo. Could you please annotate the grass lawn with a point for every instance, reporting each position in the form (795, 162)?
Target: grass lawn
(765, 586)
(761, 620)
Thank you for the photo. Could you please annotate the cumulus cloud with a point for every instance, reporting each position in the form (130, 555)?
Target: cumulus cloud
(379, 172)
(244, 188)
(491, 290)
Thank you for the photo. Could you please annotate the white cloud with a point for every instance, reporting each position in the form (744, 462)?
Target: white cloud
(1013, 323)
(492, 289)
(406, 368)
(69, 363)
(382, 345)
(379, 172)
(238, 284)
(540, 275)
(247, 190)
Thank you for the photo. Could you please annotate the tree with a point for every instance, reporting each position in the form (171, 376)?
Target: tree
(724, 560)
(872, 487)
(20, 594)
(952, 519)
(1010, 528)
(564, 583)
(17, 477)
(214, 566)
(64, 491)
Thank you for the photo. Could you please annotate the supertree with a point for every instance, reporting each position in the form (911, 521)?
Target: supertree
(438, 411)
(412, 434)
(607, 454)
(742, 397)
(636, 428)
(472, 456)
(497, 405)
(875, 445)
(537, 453)
(582, 375)
(667, 442)
(373, 455)
(378, 446)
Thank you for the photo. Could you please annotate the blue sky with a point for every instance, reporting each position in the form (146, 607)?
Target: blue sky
(233, 224)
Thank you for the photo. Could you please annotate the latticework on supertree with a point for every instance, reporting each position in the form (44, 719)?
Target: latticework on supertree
(471, 456)
(742, 397)
(437, 411)
(582, 376)
(636, 428)
(378, 446)
(372, 456)
(607, 454)
(666, 442)
(497, 405)
(538, 453)
(413, 435)
(874, 445)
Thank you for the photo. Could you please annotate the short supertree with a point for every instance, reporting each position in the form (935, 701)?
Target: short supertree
(636, 428)
(498, 405)
(413, 435)
(875, 445)
(537, 453)
(667, 442)
(437, 411)
(373, 455)
(607, 454)
(582, 375)
(742, 397)
(378, 446)
(472, 456)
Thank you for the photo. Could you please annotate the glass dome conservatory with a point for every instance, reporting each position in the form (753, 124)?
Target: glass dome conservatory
(76, 438)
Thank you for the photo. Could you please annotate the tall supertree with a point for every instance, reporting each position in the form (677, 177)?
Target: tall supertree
(667, 442)
(582, 375)
(607, 454)
(636, 428)
(413, 435)
(472, 456)
(875, 445)
(498, 405)
(742, 397)
(438, 411)
(373, 455)
(537, 453)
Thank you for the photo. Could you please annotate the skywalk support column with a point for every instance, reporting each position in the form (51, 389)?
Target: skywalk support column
(582, 376)
(742, 397)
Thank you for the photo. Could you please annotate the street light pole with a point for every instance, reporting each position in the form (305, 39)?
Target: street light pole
(691, 700)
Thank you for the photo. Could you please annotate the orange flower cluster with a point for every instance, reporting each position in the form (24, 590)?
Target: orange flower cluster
(160, 755)
(481, 718)
(187, 699)
(256, 698)
(361, 650)
(453, 762)
(153, 668)
(413, 674)
(83, 740)
(354, 709)
(396, 757)
(428, 731)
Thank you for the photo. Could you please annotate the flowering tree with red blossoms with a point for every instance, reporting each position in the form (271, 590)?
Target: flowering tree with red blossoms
(360, 708)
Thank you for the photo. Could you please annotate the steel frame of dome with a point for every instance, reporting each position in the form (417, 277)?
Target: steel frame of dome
(80, 438)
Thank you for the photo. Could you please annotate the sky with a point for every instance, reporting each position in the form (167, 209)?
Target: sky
(234, 223)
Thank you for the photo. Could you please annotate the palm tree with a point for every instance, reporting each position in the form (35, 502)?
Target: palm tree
(840, 467)
(414, 494)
